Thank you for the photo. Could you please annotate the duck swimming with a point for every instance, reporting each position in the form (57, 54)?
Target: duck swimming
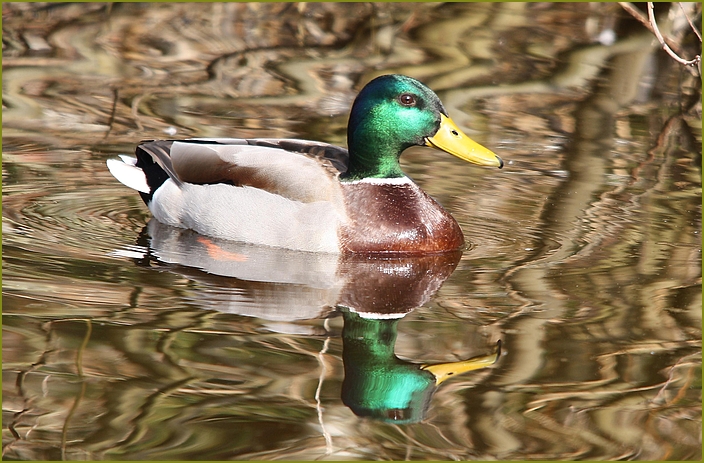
(312, 196)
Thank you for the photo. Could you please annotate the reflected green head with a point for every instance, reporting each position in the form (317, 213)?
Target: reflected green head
(377, 383)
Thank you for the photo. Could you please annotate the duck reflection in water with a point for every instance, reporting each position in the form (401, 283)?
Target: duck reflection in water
(380, 385)
(371, 292)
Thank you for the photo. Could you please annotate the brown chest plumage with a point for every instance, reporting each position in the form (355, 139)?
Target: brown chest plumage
(396, 217)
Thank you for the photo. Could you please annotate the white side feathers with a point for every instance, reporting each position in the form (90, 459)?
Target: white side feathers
(128, 174)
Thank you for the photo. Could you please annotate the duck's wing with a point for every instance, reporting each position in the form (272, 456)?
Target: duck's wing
(336, 156)
(301, 170)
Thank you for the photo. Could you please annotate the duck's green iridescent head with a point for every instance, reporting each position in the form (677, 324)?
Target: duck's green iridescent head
(395, 112)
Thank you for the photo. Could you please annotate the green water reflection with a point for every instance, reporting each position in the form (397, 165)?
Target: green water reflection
(380, 385)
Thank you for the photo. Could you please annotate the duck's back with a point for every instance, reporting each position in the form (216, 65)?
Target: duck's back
(282, 193)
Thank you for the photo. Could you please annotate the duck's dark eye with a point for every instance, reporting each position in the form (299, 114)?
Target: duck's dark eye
(407, 99)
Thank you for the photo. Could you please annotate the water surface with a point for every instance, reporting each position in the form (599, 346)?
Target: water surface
(124, 339)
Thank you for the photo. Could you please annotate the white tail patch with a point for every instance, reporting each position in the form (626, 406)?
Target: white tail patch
(131, 160)
(128, 174)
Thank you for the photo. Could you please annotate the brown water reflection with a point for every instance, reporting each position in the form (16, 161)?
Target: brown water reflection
(585, 256)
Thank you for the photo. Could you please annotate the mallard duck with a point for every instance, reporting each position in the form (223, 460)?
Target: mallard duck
(311, 196)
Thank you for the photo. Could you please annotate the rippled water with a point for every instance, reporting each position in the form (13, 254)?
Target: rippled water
(125, 339)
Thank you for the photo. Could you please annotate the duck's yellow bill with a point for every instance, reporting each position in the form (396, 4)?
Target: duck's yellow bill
(443, 371)
(451, 139)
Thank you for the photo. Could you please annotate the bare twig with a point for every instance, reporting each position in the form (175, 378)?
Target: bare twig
(668, 44)
(656, 31)
(636, 13)
(111, 121)
(696, 31)
(640, 16)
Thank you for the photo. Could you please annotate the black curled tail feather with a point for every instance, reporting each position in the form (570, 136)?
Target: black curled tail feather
(154, 160)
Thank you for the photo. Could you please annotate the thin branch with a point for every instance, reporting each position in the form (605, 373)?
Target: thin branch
(696, 31)
(643, 19)
(111, 121)
(636, 13)
(656, 31)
